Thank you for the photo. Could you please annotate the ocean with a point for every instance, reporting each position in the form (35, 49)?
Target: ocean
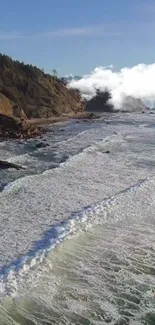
(77, 224)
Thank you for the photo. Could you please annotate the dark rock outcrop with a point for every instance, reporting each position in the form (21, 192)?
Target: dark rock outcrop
(100, 102)
(11, 127)
(6, 165)
(42, 145)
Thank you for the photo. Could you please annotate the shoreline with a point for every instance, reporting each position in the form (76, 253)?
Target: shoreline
(32, 128)
(38, 185)
(12, 128)
(63, 118)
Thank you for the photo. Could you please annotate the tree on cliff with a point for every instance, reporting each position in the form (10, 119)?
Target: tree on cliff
(54, 73)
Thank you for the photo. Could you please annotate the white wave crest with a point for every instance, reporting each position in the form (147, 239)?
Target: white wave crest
(137, 82)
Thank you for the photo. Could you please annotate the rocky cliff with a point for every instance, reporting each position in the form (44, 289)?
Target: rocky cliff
(27, 92)
(11, 127)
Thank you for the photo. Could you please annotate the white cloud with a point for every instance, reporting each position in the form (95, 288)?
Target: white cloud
(9, 36)
(81, 31)
(96, 30)
(77, 31)
(138, 81)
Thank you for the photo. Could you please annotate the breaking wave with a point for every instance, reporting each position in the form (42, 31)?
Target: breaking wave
(77, 241)
(79, 221)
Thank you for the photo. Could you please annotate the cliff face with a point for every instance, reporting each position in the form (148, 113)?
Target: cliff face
(11, 127)
(27, 92)
(7, 107)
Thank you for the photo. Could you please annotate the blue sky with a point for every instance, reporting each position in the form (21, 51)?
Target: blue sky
(77, 36)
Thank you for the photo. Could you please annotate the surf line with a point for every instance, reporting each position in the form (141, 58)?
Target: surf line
(78, 221)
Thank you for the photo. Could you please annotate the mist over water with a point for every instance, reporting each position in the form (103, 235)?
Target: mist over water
(79, 244)
(137, 81)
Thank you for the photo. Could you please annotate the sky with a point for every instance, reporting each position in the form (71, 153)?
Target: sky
(77, 36)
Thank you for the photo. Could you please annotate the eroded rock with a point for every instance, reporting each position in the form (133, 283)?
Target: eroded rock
(6, 165)
(11, 127)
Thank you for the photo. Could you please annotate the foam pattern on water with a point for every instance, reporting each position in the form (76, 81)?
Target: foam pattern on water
(78, 221)
(34, 203)
(103, 276)
(38, 212)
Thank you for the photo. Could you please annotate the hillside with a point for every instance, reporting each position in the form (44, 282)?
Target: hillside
(26, 91)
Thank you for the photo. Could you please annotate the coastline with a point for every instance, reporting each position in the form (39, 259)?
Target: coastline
(54, 209)
(63, 118)
(13, 128)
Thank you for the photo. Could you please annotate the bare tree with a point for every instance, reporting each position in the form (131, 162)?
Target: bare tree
(54, 73)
